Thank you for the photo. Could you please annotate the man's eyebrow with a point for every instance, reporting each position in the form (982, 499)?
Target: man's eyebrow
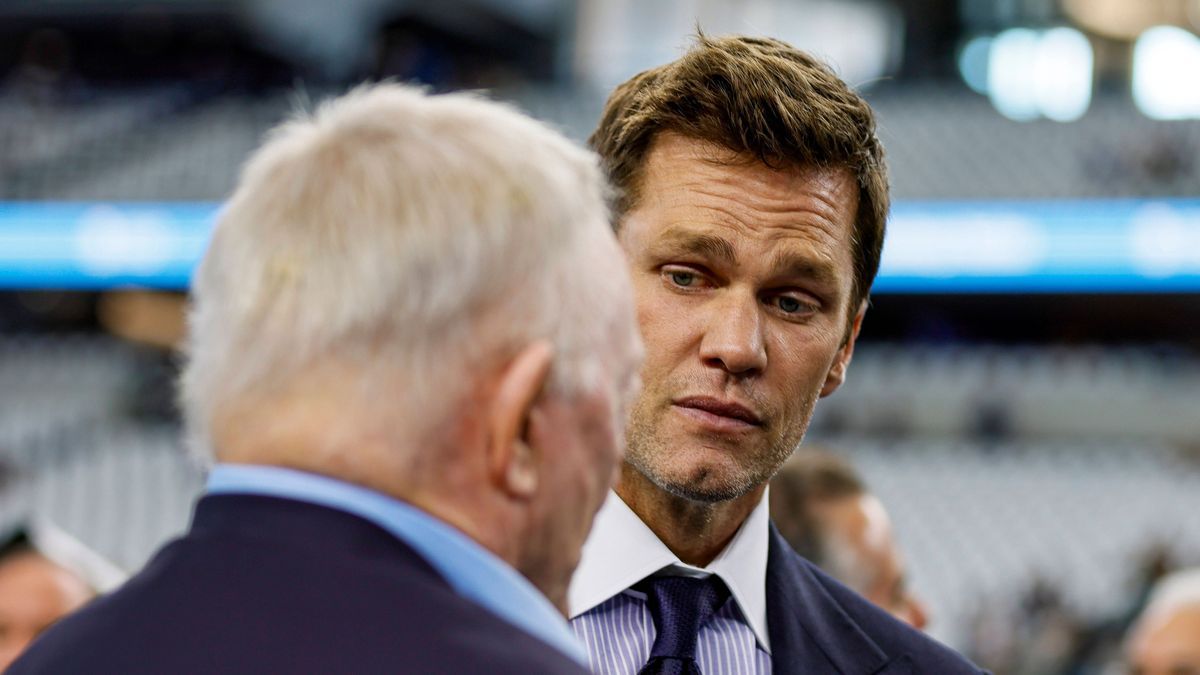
(701, 244)
(711, 246)
(804, 267)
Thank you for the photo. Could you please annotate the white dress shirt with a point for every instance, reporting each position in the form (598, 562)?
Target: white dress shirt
(613, 621)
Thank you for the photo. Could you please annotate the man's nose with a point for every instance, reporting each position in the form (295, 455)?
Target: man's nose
(734, 339)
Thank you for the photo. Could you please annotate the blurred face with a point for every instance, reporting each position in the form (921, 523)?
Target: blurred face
(1168, 644)
(34, 593)
(866, 557)
(581, 437)
(743, 278)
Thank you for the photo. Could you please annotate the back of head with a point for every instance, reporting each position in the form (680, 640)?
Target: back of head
(824, 510)
(407, 237)
(761, 99)
(808, 479)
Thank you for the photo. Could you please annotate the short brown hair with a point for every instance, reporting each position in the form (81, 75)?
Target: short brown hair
(757, 97)
(808, 478)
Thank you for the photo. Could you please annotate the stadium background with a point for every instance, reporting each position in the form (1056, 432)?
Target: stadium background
(1026, 395)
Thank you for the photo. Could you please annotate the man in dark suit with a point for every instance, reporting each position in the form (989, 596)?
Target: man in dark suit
(822, 508)
(753, 195)
(410, 346)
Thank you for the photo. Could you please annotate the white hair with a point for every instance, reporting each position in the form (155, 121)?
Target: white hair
(1174, 592)
(429, 234)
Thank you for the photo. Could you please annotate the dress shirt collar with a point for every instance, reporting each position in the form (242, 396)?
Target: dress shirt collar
(622, 551)
(471, 570)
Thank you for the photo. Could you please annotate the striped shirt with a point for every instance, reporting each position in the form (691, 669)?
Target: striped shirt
(614, 623)
(619, 633)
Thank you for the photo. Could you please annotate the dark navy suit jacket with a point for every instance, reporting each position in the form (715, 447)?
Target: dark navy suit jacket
(818, 626)
(269, 585)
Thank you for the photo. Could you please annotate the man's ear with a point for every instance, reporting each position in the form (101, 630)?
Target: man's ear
(837, 372)
(512, 461)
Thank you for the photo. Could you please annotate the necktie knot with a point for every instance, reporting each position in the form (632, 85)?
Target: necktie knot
(679, 607)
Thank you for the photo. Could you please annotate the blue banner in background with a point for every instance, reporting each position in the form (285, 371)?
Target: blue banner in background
(932, 247)
(66, 245)
(1054, 246)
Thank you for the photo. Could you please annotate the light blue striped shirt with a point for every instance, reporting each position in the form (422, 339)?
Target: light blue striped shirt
(471, 570)
(614, 623)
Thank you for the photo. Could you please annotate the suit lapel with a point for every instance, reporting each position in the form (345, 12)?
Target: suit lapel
(810, 632)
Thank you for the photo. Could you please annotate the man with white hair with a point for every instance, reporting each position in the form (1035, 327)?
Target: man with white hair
(1165, 640)
(411, 344)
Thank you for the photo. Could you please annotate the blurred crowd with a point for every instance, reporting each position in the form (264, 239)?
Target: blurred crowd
(1041, 632)
(824, 508)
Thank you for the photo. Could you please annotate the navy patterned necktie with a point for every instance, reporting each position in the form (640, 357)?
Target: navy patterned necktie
(679, 606)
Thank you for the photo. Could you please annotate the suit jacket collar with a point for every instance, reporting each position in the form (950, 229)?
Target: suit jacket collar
(471, 570)
(810, 631)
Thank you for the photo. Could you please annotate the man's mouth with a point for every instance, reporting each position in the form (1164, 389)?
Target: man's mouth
(720, 414)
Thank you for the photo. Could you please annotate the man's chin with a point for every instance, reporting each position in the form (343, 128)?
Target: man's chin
(704, 494)
(703, 484)
(690, 468)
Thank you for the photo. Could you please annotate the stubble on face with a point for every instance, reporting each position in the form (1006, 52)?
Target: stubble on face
(671, 467)
(758, 216)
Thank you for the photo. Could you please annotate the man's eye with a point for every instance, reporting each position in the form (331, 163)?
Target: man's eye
(682, 278)
(792, 305)
(789, 304)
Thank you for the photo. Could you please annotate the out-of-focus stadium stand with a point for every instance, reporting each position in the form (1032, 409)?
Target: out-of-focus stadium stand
(1071, 512)
(125, 489)
(154, 145)
(942, 144)
(52, 386)
(1001, 393)
(77, 447)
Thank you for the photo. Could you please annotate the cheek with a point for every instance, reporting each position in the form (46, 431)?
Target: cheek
(667, 326)
(803, 360)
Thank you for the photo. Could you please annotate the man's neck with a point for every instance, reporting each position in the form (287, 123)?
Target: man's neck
(695, 531)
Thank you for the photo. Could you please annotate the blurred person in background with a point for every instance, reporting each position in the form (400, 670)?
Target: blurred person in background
(45, 574)
(34, 593)
(409, 350)
(752, 202)
(823, 509)
(1165, 640)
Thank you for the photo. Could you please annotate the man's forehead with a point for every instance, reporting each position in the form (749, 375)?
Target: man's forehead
(742, 171)
(683, 186)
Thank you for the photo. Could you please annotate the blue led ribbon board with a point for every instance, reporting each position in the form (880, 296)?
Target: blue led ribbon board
(67, 245)
(1100, 246)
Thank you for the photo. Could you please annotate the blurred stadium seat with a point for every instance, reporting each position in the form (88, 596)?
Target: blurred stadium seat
(943, 143)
